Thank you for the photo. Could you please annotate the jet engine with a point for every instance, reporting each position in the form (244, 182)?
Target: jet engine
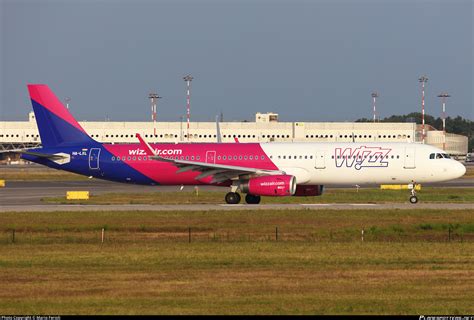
(308, 190)
(277, 186)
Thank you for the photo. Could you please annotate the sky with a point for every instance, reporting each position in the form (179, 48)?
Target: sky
(306, 60)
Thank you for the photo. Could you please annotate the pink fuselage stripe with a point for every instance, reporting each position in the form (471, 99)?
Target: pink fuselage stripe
(45, 97)
(165, 173)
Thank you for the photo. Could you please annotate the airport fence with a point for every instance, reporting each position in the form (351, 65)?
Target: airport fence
(425, 232)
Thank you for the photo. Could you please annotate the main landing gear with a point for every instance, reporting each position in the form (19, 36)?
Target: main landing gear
(251, 199)
(234, 198)
(413, 197)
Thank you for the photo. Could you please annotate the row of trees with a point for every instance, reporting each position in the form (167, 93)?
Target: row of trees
(457, 125)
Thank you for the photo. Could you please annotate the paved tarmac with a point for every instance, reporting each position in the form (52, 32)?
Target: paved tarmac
(226, 207)
(27, 193)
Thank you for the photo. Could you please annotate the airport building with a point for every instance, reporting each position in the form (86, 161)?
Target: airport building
(266, 128)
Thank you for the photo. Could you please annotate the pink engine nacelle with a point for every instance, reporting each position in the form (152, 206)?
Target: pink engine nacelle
(276, 186)
(308, 190)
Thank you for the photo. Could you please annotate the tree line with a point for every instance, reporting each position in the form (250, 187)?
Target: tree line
(457, 125)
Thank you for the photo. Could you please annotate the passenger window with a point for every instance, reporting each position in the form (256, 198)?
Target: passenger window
(432, 156)
(439, 156)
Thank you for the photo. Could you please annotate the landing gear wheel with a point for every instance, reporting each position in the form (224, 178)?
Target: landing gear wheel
(232, 198)
(413, 197)
(251, 199)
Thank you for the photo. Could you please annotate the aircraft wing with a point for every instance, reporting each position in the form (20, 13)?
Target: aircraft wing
(219, 172)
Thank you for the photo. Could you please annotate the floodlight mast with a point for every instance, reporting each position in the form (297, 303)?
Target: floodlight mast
(67, 100)
(374, 97)
(188, 80)
(154, 101)
(423, 80)
(443, 97)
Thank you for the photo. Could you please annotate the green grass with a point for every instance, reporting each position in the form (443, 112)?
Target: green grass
(456, 195)
(233, 265)
(36, 174)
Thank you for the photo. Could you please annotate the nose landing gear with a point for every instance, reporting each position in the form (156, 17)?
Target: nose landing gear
(413, 197)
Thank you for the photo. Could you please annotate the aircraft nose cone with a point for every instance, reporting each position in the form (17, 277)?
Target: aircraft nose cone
(460, 169)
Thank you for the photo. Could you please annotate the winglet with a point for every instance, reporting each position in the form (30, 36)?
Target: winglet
(149, 150)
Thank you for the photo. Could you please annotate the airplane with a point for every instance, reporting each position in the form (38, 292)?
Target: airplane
(255, 169)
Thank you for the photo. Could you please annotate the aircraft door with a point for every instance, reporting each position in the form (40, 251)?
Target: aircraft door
(409, 158)
(320, 162)
(94, 154)
(211, 157)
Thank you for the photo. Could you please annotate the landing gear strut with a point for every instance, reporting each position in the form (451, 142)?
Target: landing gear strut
(251, 199)
(413, 197)
(232, 198)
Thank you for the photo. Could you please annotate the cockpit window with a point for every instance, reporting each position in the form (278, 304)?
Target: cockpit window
(439, 156)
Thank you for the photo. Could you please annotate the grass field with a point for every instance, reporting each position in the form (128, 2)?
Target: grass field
(38, 174)
(410, 262)
(459, 195)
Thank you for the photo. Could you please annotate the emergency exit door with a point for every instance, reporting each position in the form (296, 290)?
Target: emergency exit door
(409, 158)
(94, 154)
(320, 162)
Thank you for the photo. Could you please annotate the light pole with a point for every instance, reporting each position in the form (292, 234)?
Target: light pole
(188, 80)
(443, 97)
(67, 100)
(181, 128)
(423, 80)
(374, 97)
(153, 100)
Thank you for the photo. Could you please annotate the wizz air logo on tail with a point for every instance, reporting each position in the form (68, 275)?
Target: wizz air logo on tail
(362, 157)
